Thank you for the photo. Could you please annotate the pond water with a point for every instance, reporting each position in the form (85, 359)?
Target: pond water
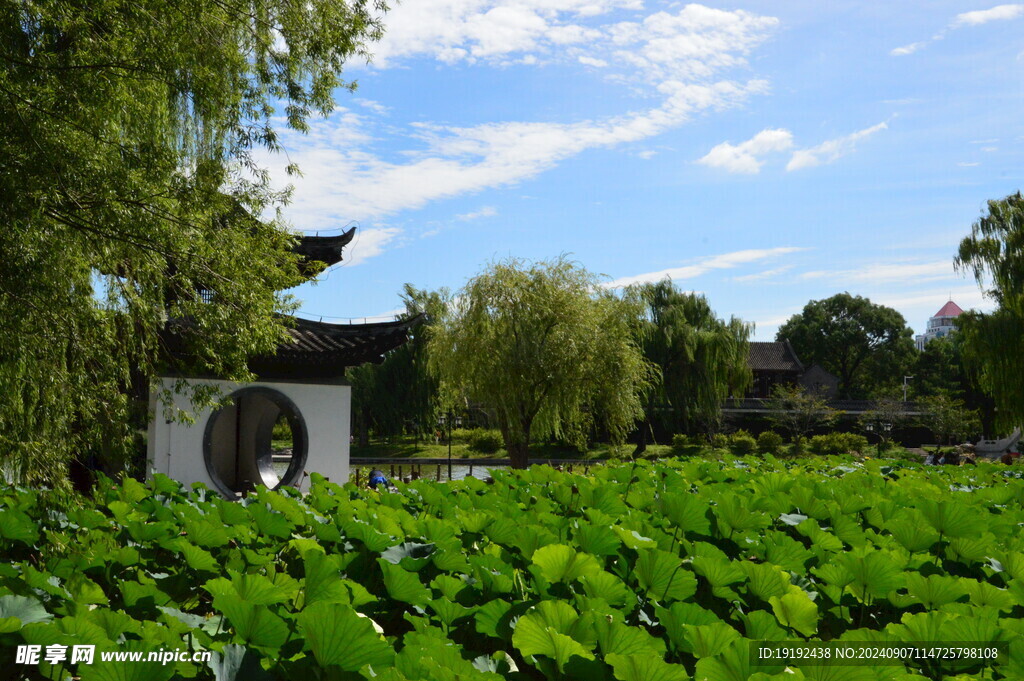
(431, 472)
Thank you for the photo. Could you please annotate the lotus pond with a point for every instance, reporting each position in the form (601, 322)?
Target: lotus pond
(660, 571)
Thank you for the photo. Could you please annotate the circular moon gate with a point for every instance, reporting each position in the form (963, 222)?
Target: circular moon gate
(238, 444)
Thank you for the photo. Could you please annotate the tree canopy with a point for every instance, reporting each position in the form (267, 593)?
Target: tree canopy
(993, 342)
(127, 140)
(867, 346)
(545, 350)
(400, 394)
(702, 359)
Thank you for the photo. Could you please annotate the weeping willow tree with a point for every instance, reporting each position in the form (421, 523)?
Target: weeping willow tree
(702, 359)
(993, 343)
(546, 351)
(401, 394)
(128, 135)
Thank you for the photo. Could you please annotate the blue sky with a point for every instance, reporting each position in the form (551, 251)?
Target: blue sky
(762, 153)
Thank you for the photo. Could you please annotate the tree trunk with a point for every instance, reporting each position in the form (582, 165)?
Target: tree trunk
(519, 454)
(641, 446)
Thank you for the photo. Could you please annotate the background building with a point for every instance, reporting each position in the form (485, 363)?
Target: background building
(941, 324)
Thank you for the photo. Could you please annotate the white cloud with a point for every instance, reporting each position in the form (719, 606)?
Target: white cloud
(591, 61)
(767, 274)
(964, 164)
(484, 212)
(696, 269)
(831, 150)
(743, 157)
(990, 149)
(891, 272)
(976, 18)
(345, 180)
(997, 13)
(907, 49)
(369, 243)
(647, 154)
(674, 59)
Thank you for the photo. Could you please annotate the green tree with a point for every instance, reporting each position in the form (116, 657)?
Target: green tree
(128, 134)
(867, 346)
(948, 419)
(702, 359)
(993, 342)
(546, 350)
(401, 394)
(797, 411)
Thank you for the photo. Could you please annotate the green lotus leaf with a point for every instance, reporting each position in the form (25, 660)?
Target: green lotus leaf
(250, 587)
(984, 595)
(820, 539)
(796, 611)
(645, 668)
(933, 591)
(786, 552)
(254, 624)
(198, 559)
(447, 611)
(874, 573)
(270, 523)
(494, 619)
(759, 625)
(561, 563)
(633, 539)
(339, 637)
(17, 526)
(914, 535)
(620, 639)
(372, 539)
(718, 571)
(950, 518)
(662, 575)
(686, 511)
(708, 640)
(410, 555)
(533, 636)
(403, 585)
(608, 587)
(765, 580)
(599, 540)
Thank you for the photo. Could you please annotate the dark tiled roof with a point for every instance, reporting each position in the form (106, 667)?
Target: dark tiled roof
(316, 349)
(325, 249)
(326, 349)
(773, 356)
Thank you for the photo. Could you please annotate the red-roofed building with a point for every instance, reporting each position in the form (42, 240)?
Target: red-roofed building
(943, 323)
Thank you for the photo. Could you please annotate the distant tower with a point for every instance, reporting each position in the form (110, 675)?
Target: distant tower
(942, 323)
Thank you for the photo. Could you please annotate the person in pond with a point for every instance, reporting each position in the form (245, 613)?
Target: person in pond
(377, 478)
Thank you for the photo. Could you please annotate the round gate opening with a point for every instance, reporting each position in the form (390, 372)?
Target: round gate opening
(258, 438)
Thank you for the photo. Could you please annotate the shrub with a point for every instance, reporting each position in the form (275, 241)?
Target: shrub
(838, 443)
(742, 443)
(459, 435)
(769, 442)
(719, 441)
(680, 441)
(485, 441)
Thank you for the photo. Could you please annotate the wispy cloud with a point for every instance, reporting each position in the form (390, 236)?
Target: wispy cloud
(831, 150)
(908, 49)
(965, 164)
(767, 274)
(979, 17)
(484, 212)
(890, 272)
(744, 157)
(676, 59)
(723, 261)
(975, 18)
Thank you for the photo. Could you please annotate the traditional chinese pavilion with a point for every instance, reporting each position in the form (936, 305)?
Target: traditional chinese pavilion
(292, 421)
